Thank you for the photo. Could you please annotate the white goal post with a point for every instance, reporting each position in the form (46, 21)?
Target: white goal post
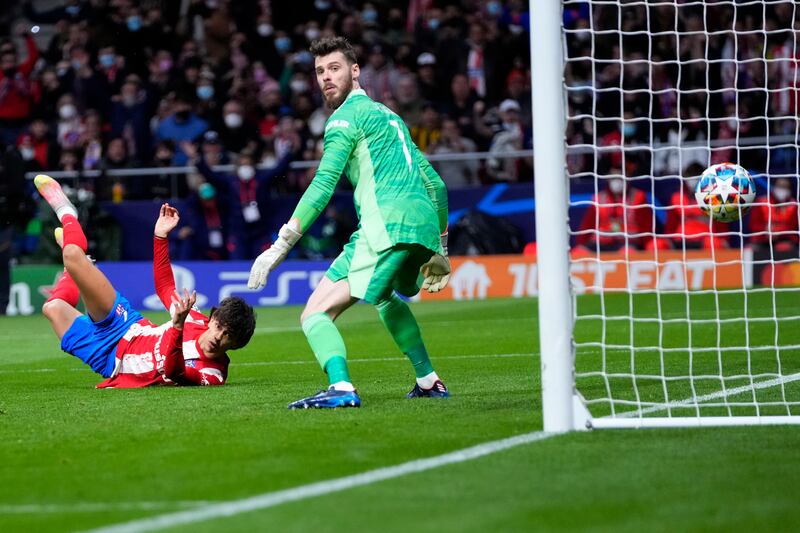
(644, 319)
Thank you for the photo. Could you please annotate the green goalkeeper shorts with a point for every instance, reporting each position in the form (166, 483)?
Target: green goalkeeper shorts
(373, 275)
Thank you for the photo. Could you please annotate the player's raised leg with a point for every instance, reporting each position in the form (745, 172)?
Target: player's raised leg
(398, 319)
(98, 293)
(326, 303)
(60, 307)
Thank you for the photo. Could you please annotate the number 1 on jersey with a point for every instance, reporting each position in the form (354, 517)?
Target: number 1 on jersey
(402, 136)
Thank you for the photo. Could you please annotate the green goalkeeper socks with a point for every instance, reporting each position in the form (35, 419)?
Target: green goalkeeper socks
(402, 325)
(328, 346)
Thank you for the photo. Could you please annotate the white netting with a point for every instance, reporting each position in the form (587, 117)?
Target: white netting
(675, 315)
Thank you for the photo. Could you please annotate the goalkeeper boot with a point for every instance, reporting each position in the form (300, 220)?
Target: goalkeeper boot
(438, 390)
(328, 399)
(54, 195)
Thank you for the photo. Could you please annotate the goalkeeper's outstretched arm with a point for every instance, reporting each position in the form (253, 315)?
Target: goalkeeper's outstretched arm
(339, 144)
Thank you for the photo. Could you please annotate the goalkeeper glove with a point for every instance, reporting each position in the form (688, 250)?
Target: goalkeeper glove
(267, 261)
(437, 270)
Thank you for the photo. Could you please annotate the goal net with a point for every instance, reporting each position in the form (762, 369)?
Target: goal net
(678, 319)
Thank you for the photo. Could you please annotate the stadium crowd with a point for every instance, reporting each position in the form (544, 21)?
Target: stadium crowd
(122, 84)
(658, 92)
(102, 85)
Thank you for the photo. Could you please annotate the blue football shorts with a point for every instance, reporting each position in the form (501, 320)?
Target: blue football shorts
(95, 343)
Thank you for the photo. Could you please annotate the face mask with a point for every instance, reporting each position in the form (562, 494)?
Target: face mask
(265, 30)
(322, 5)
(107, 60)
(493, 8)
(732, 123)
(67, 111)
(72, 10)
(616, 186)
(233, 120)
(246, 172)
(260, 75)
(206, 191)
(129, 101)
(164, 65)
(433, 24)
(304, 57)
(312, 34)
(298, 86)
(77, 64)
(269, 161)
(134, 23)
(26, 153)
(629, 130)
(283, 44)
(205, 92)
(369, 16)
(781, 193)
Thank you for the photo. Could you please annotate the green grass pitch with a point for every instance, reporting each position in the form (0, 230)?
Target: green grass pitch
(75, 458)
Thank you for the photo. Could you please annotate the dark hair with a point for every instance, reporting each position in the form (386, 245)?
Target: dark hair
(238, 319)
(329, 45)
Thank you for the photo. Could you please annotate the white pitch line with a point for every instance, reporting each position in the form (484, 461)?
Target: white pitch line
(97, 507)
(690, 402)
(272, 499)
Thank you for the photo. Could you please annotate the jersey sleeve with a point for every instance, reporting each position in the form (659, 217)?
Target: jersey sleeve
(170, 349)
(341, 135)
(434, 185)
(207, 376)
(162, 271)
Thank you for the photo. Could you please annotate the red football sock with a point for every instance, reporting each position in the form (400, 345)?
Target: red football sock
(73, 233)
(66, 290)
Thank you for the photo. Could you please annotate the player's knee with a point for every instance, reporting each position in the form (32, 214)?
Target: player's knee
(307, 312)
(73, 255)
(313, 310)
(51, 308)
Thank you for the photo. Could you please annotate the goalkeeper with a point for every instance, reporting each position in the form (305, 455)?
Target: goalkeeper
(401, 241)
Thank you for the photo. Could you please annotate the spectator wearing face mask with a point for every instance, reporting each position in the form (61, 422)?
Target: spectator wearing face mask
(87, 86)
(181, 125)
(36, 146)
(68, 126)
(774, 218)
(111, 67)
(17, 96)
(687, 225)
(616, 218)
(241, 192)
(202, 233)
(236, 133)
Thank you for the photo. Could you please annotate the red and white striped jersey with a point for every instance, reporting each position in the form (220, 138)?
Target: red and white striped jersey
(149, 354)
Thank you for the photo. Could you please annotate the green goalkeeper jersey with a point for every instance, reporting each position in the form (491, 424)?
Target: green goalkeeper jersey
(399, 197)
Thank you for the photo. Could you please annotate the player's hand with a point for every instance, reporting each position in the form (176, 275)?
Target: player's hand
(168, 218)
(437, 270)
(267, 261)
(181, 305)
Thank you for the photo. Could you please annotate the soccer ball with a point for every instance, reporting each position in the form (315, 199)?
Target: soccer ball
(725, 191)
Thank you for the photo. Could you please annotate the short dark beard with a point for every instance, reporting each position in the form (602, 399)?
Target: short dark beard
(335, 103)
